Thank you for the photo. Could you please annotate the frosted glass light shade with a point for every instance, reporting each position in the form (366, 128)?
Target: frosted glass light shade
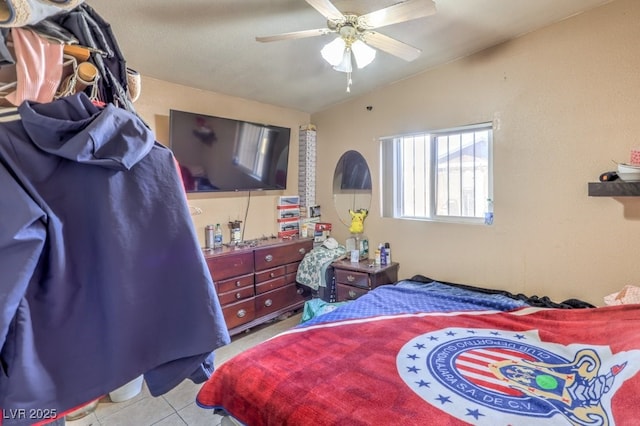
(333, 52)
(345, 64)
(363, 53)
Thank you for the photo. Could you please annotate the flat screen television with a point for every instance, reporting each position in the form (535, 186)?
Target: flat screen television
(223, 154)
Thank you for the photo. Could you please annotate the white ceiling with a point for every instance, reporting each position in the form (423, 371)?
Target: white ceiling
(210, 44)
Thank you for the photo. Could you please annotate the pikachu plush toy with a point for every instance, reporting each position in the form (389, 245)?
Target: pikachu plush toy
(357, 220)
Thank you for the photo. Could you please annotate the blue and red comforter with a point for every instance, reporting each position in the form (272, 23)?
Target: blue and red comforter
(526, 365)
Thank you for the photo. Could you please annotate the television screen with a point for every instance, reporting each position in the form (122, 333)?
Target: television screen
(222, 154)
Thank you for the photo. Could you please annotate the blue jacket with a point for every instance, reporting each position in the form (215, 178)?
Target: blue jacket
(101, 274)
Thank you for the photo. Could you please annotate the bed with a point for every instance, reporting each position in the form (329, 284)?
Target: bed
(421, 352)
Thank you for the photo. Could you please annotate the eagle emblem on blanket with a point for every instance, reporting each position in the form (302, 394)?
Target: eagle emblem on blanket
(481, 375)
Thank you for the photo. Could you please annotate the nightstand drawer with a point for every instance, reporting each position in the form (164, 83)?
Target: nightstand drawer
(354, 279)
(347, 292)
(358, 279)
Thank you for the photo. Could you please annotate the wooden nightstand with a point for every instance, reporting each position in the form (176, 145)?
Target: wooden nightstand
(355, 279)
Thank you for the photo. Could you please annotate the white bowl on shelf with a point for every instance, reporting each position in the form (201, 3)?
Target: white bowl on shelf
(629, 172)
(629, 177)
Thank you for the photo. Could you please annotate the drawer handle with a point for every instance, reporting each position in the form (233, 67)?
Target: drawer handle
(238, 295)
(241, 313)
(351, 278)
(268, 302)
(299, 291)
(302, 250)
(272, 274)
(268, 258)
(238, 283)
(352, 294)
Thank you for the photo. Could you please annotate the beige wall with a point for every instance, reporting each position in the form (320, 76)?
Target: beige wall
(158, 97)
(565, 101)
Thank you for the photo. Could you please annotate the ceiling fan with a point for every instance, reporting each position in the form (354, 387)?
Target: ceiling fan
(357, 35)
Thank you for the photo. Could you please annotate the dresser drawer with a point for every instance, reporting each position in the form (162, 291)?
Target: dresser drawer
(236, 295)
(239, 313)
(292, 268)
(347, 292)
(230, 265)
(354, 278)
(280, 298)
(290, 278)
(234, 283)
(272, 256)
(269, 274)
(271, 284)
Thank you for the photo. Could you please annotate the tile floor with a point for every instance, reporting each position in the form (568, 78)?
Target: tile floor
(178, 406)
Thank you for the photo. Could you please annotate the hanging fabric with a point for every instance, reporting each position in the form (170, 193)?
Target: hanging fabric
(18, 13)
(95, 33)
(50, 30)
(6, 58)
(80, 32)
(38, 67)
(97, 250)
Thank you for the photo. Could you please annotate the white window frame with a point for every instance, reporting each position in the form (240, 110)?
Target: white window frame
(391, 193)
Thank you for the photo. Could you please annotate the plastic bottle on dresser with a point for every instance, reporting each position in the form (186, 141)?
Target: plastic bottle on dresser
(387, 253)
(217, 237)
(383, 254)
(351, 243)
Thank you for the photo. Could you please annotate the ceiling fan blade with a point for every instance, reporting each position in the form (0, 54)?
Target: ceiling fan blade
(295, 35)
(326, 9)
(391, 45)
(399, 12)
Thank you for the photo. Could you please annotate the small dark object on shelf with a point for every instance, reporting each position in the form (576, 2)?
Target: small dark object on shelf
(608, 176)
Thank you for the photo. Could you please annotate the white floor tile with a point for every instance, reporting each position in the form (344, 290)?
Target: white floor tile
(182, 395)
(178, 407)
(146, 411)
(172, 420)
(196, 416)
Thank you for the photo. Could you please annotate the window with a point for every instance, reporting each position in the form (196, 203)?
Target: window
(444, 175)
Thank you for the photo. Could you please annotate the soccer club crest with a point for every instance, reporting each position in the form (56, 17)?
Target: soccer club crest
(482, 375)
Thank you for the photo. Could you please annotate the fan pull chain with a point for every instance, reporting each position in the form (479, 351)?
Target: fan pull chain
(349, 82)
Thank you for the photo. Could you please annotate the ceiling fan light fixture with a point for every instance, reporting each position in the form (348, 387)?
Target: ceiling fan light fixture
(364, 54)
(345, 65)
(333, 52)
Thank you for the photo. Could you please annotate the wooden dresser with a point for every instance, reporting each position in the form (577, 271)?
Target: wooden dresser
(355, 279)
(258, 283)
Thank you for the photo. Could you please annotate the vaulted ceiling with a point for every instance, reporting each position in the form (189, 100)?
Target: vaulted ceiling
(211, 45)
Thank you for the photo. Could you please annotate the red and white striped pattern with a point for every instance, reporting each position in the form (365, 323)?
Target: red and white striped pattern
(474, 366)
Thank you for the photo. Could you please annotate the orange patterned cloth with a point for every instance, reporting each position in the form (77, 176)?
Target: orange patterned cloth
(628, 294)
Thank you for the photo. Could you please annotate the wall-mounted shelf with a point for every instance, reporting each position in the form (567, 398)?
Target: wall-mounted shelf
(617, 188)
